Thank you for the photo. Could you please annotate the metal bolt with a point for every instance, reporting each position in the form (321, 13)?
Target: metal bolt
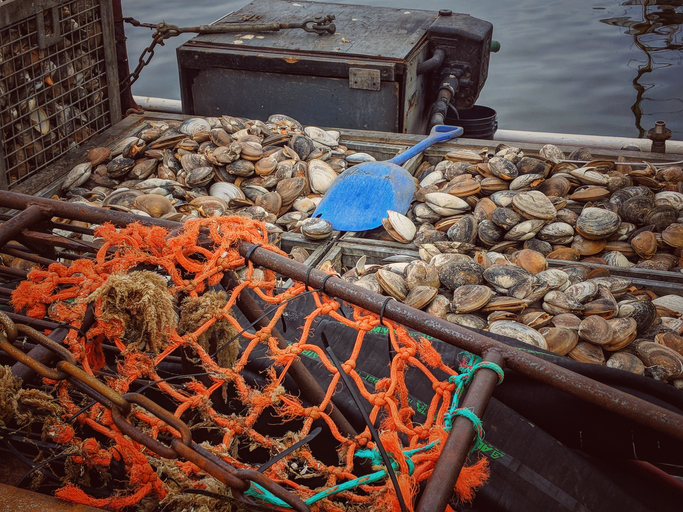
(659, 135)
(445, 12)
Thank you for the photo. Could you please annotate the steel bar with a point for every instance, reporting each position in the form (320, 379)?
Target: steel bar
(309, 387)
(44, 355)
(60, 241)
(34, 258)
(440, 486)
(582, 387)
(13, 273)
(11, 228)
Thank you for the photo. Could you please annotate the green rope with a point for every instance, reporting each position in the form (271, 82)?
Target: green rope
(468, 368)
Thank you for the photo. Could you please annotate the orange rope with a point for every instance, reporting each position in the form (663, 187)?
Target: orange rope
(61, 293)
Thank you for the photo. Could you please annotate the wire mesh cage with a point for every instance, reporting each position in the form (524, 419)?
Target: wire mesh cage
(58, 81)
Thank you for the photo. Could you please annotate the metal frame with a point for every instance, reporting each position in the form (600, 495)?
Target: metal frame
(35, 51)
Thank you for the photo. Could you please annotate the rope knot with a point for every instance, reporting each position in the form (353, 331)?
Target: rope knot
(328, 307)
(348, 366)
(380, 399)
(441, 387)
(406, 353)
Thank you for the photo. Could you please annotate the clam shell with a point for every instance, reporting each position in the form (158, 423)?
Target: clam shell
(503, 303)
(673, 235)
(467, 320)
(582, 292)
(446, 204)
(403, 228)
(559, 339)
(661, 217)
(567, 321)
(519, 332)
(531, 261)
(420, 296)
(502, 168)
(654, 354)
(585, 352)
(643, 312)
(534, 204)
(672, 302)
(320, 176)
(627, 362)
(289, 189)
(488, 233)
(506, 218)
(454, 275)
(316, 228)
(556, 233)
(439, 307)
(524, 230)
(635, 209)
(155, 205)
(625, 331)
(123, 197)
(504, 277)
(671, 198)
(557, 186)
(470, 298)
(194, 125)
(596, 223)
(535, 318)
(77, 176)
(98, 155)
(420, 273)
(554, 278)
(464, 230)
(596, 329)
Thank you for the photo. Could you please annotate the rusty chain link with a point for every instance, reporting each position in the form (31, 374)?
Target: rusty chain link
(320, 25)
(239, 480)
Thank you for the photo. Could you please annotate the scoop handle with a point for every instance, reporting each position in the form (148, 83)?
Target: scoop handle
(439, 133)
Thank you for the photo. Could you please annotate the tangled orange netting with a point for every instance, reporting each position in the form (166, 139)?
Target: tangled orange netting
(194, 260)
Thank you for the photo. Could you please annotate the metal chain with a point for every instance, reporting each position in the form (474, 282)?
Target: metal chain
(120, 406)
(320, 25)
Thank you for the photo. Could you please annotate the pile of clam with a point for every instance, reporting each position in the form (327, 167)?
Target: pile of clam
(275, 171)
(572, 310)
(487, 224)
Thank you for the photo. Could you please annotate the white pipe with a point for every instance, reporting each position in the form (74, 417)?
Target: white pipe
(159, 104)
(588, 141)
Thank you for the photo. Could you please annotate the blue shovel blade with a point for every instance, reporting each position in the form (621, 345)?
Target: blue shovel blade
(360, 197)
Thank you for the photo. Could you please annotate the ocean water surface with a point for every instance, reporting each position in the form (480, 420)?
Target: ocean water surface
(594, 67)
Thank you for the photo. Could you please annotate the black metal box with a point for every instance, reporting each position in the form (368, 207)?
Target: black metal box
(364, 76)
(58, 82)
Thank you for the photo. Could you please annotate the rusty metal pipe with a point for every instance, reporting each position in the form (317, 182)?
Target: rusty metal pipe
(440, 486)
(11, 228)
(591, 391)
(309, 387)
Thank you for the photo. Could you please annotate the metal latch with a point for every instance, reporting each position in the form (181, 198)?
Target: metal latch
(365, 79)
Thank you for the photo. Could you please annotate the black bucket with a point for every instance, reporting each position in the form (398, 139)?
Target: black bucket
(478, 122)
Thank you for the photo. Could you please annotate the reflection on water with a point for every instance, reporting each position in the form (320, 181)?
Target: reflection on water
(655, 26)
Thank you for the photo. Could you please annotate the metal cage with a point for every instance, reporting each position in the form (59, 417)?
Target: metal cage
(58, 81)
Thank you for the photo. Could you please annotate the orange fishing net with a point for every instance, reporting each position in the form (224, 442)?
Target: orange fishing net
(194, 260)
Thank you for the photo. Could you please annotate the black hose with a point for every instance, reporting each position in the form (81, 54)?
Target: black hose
(433, 63)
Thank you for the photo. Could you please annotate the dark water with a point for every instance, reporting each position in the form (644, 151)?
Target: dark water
(593, 67)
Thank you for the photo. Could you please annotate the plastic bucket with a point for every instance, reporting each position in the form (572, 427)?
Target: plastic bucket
(478, 122)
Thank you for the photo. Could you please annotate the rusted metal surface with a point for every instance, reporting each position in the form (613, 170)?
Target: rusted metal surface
(12, 227)
(440, 485)
(21, 500)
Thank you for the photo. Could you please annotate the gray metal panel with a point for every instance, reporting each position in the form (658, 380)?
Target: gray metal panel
(311, 100)
(377, 32)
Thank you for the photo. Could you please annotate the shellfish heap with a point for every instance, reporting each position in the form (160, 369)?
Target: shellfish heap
(486, 225)
(275, 171)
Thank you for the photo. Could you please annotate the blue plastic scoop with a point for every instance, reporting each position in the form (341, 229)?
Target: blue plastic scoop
(360, 197)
